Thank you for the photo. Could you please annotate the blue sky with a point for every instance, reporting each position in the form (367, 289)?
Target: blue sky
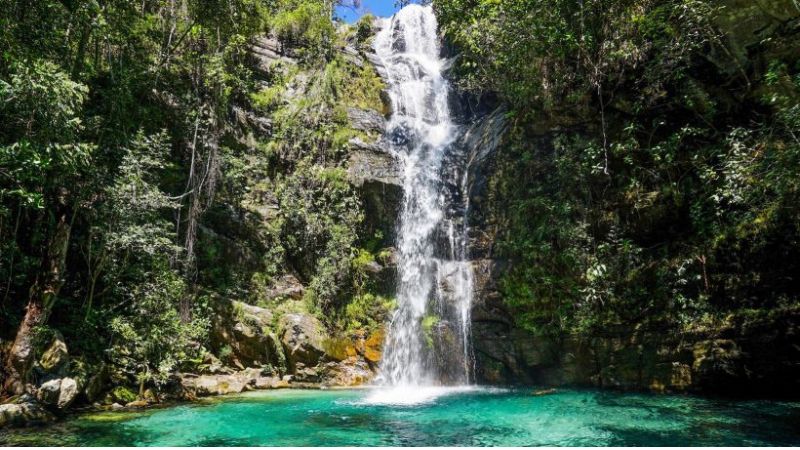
(381, 8)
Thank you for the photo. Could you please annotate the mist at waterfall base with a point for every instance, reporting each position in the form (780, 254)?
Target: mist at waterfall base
(496, 418)
(427, 351)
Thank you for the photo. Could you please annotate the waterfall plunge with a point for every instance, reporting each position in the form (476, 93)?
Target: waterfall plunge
(428, 340)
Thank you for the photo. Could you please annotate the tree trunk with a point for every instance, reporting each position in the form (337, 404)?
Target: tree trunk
(42, 296)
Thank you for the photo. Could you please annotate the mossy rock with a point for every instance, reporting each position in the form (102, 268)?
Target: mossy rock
(122, 395)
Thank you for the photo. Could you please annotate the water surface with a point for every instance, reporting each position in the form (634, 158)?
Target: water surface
(458, 418)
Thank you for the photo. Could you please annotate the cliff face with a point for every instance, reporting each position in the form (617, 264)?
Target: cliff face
(527, 330)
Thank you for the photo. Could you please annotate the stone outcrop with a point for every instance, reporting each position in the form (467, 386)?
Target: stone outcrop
(378, 176)
(350, 372)
(245, 330)
(751, 362)
(267, 51)
(371, 163)
(284, 287)
(302, 336)
(366, 120)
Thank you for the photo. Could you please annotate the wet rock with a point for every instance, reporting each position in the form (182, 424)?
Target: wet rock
(373, 346)
(377, 175)
(302, 337)
(371, 163)
(366, 120)
(350, 372)
(540, 392)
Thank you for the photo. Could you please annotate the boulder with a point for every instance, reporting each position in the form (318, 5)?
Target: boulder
(136, 404)
(221, 384)
(49, 392)
(267, 382)
(303, 338)
(24, 413)
(68, 394)
(59, 393)
(350, 372)
(212, 365)
(216, 385)
(306, 374)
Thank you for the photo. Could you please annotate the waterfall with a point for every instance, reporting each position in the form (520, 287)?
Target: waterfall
(428, 340)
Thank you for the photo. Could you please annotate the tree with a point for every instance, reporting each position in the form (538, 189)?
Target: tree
(43, 165)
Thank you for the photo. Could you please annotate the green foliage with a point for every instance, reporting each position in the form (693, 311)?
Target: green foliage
(122, 395)
(305, 25)
(118, 126)
(636, 188)
(152, 340)
(41, 108)
(367, 311)
(429, 322)
(364, 28)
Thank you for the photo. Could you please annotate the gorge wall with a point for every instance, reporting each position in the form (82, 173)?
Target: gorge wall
(632, 215)
(611, 249)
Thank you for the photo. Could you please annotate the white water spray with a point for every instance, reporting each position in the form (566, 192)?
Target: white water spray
(428, 342)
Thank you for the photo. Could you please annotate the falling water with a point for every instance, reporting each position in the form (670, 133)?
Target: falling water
(428, 342)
